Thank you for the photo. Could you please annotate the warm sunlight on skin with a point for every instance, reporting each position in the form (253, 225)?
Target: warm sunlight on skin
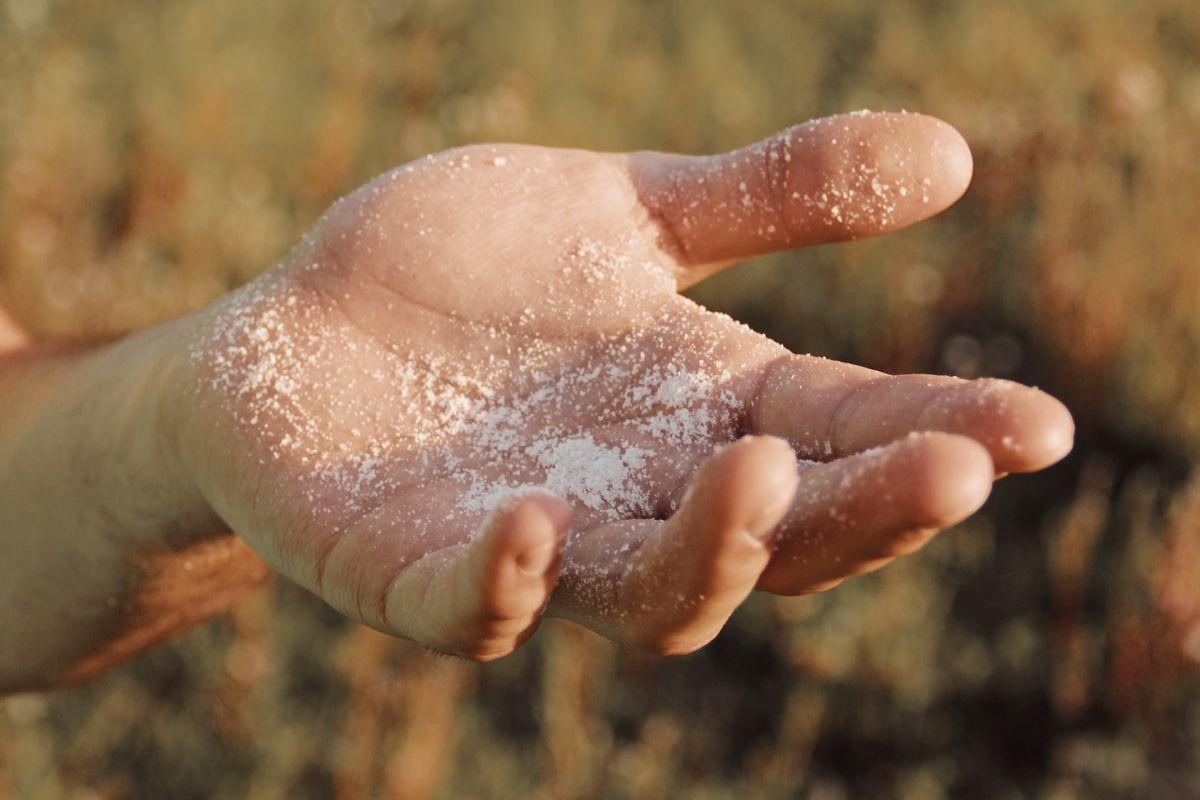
(11, 336)
(472, 396)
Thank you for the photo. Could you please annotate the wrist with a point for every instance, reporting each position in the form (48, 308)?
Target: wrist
(165, 396)
(131, 443)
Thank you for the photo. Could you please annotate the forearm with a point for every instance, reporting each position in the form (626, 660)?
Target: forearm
(97, 514)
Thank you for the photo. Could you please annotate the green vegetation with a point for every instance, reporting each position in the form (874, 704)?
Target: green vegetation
(153, 155)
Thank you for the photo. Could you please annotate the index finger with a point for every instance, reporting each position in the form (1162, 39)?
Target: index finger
(833, 179)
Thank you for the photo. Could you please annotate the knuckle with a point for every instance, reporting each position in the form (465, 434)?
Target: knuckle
(776, 157)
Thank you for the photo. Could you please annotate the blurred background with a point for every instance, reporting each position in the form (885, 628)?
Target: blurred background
(155, 155)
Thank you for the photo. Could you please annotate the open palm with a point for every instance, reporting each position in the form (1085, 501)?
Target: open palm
(473, 395)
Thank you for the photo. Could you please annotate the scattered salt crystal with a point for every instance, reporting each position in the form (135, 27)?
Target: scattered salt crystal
(598, 422)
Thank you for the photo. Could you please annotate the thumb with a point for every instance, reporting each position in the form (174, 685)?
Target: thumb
(834, 179)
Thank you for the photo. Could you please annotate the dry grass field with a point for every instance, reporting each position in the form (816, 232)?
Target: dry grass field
(154, 155)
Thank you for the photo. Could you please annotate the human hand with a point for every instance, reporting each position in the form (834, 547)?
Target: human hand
(473, 394)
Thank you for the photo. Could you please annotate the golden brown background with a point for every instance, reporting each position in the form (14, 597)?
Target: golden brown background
(155, 155)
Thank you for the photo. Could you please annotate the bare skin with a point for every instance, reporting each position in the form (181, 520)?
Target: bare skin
(472, 396)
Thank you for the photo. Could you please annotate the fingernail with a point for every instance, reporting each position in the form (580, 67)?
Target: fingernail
(766, 518)
(537, 560)
(762, 529)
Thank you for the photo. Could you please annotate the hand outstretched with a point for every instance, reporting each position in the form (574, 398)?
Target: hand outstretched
(473, 394)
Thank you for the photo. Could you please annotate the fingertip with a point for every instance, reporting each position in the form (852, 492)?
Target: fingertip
(770, 454)
(923, 163)
(551, 509)
(1043, 434)
(530, 531)
(870, 173)
(960, 164)
(543, 523)
(949, 477)
(1024, 428)
(751, 483)
(951, 165)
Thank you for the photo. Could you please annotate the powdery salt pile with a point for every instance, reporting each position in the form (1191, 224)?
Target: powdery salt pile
(648, 411)
(579, 469)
